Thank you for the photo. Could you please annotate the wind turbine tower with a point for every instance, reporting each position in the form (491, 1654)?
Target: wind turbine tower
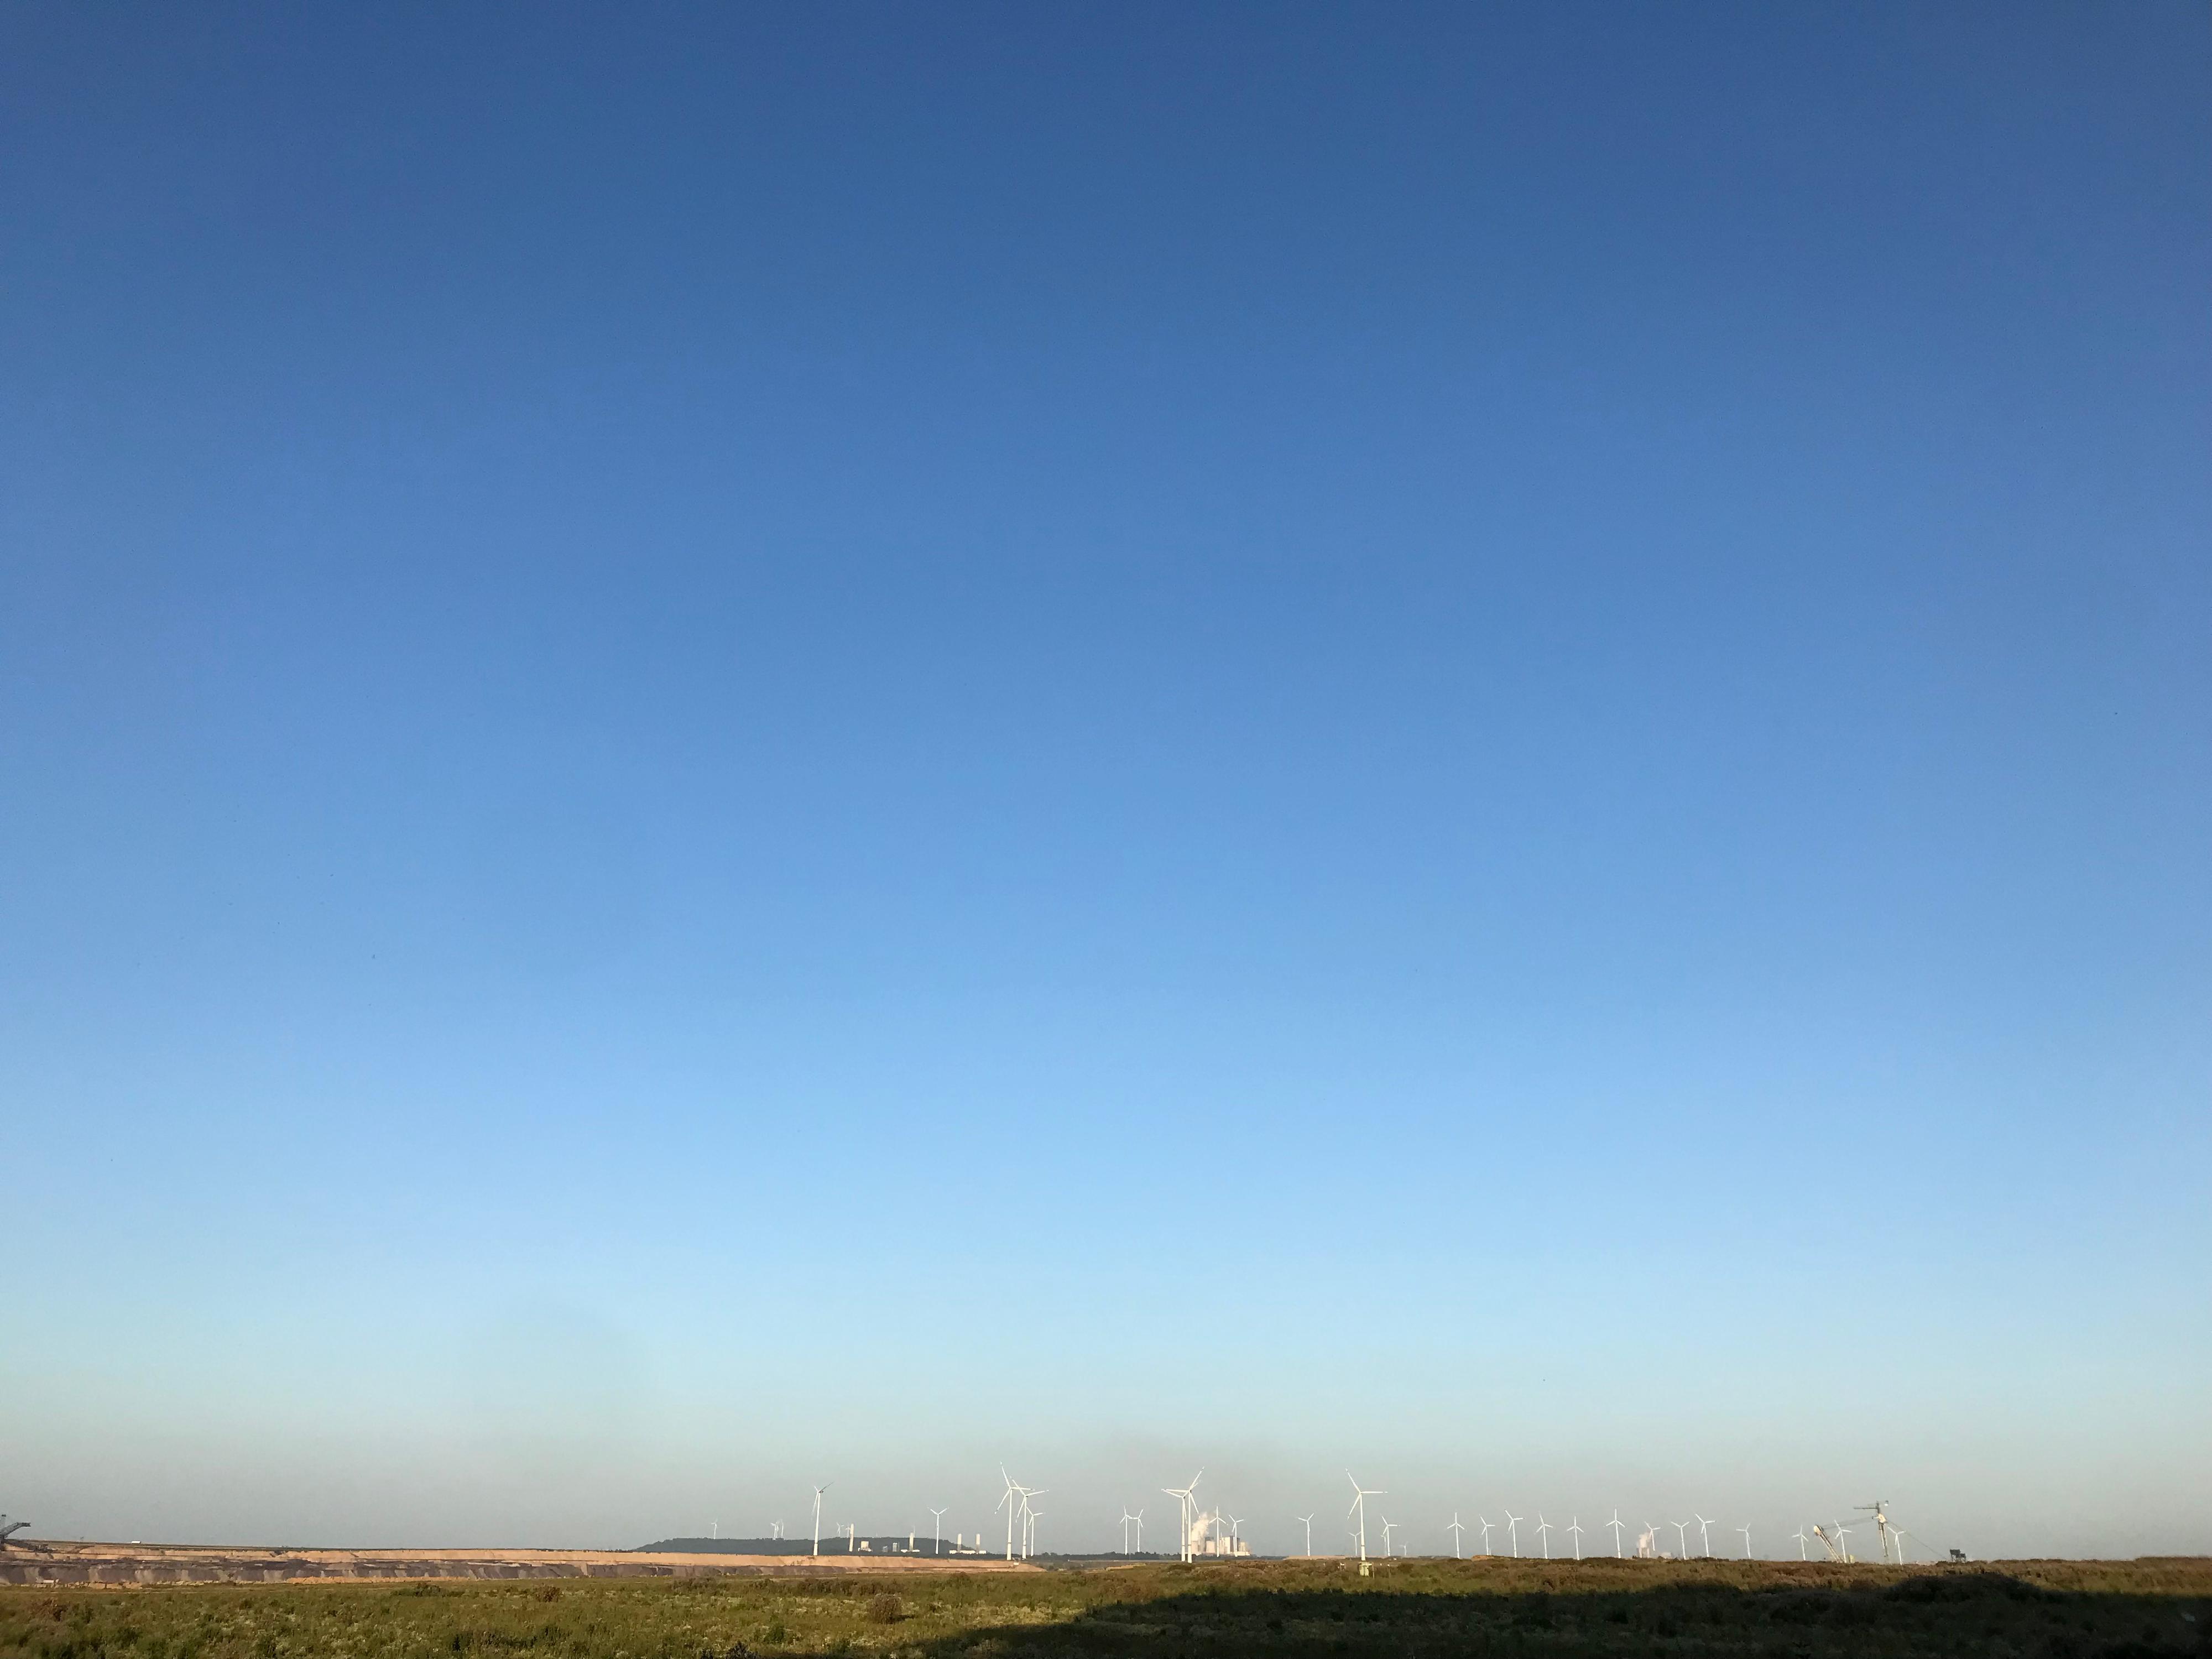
(1615, 1524)
(1575, 1531)
(819, 1491)
(1544, 1534)
(1513, 1532)
(1013, 1500)
(1187, 1496)
(1455, 1529)
(936, 1533)
(1359, 1496)
(1308, 1519)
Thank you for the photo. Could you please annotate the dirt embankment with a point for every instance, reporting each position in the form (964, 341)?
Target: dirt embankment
(214, 1563)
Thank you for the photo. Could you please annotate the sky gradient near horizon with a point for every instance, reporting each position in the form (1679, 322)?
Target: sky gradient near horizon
(747, 745)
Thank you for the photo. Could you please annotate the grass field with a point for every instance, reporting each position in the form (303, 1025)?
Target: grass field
(2041, 1610)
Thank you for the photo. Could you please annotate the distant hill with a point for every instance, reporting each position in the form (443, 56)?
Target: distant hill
(875, 1545)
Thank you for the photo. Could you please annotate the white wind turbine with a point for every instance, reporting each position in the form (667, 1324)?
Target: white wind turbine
(1126, 1519)
(1575, 1531)
(1387, 1524)
(1235, 1521)
(1188, 1496)
(1455, 1529)
(1898, 1533)
(1513, 1532)
(1544, 1534)
(1704, 1532)
(1486, 1534)
(1308, 1519)
(1746, 1531)
(1842, 1532)
(1801, 1541)
(1140, 1532)
(1615, 1524)
(1359, 1496)
(1034, 1516)
(819, 1491)
(1013, 1500)
(1028, 1520)
(937, 1533)
(1683, 1529)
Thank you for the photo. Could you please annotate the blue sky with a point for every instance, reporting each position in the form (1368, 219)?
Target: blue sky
(747, 746)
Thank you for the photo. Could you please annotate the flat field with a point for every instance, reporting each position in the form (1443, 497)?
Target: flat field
(1313, 1609)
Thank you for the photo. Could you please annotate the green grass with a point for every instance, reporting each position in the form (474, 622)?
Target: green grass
(1311, 1610)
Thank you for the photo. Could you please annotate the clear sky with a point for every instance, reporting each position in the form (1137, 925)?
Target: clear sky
(741, 746)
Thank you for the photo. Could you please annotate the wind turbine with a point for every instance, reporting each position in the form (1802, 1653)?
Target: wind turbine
(775, 1530)
(1486, 1534)
(1188, 1496)
(1126, 1518)
(1544, 1534)
(1235, 1521)
(1034, 1516)
(937, 1533)
(1387, 1524)
(1359, 1496)
(1575, 1531)
(1140, 1532)
(1615, 1524)
(1842, 1532)
(1513, 1532)
(1704, 1532)
(1028, 1520)
(1308, 1519)
(1801, 1541)
(1746, 1531)
(819, 1491)
(1683, 1529)
(1007, 1502)
(1898, 1533)
(1455, 1529)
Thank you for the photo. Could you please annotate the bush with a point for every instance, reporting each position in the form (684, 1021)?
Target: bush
(885, 1609)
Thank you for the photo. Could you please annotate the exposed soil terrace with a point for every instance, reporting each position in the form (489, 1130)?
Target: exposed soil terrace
(45, 1563)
